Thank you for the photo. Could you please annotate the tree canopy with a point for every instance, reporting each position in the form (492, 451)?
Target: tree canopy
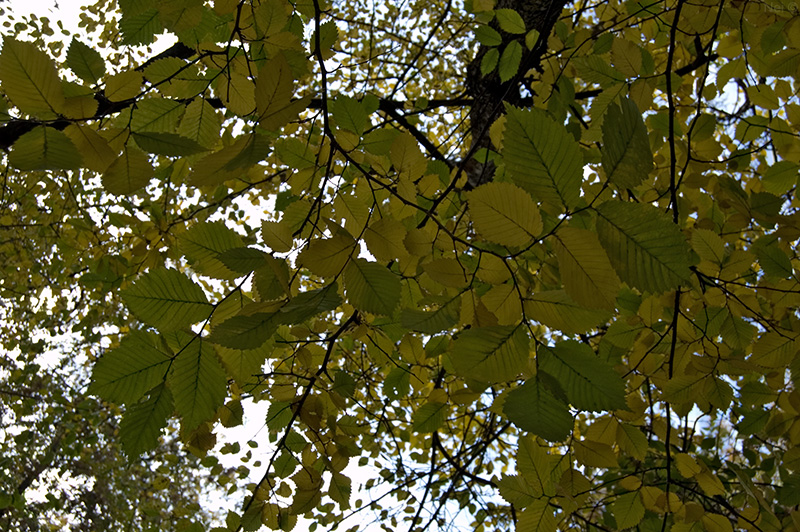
(480, 265)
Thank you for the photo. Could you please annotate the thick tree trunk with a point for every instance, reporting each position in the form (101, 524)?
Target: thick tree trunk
(489, 93)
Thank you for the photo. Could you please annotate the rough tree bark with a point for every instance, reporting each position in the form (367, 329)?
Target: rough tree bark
(489, 94)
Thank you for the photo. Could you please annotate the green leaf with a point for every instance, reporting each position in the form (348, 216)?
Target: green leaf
(371, 287)
(124, 374)
(538, 517)
(510, 60)
(129, 172)
(167, 300)
(229, 162)
(273, 93)
(169, 144)
(515, 490)
(203, 245)
(627, 159)
(431, 321)
(309, 304)
(627, 510)
(536, 467)
(246, 332)
(557, 310)
(429, 417)
(85, 62)
(142, 422)
(488, 36)
(197, 381)
(350, 114)
(339, 489)
(542, 157)
(780, 177)
(29, 78)
(243, 260)
(201, 123)
(44, 148)
(156, 115)
(533, 408)
(647, 250)
(510, 21)
(491, 354)
(490, 60)
(589, 383)
(504, 214)
(272, 280)
(585, 269)
(140, 28)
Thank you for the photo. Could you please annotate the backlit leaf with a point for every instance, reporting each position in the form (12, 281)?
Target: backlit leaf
(542, 157)
(85, 62)
(167, 300)
(29, 78)
(646, 249)
(585, 269)
(124, 374)
(142, 422)
(491, 354)
(589, 383)
(627, 159)
(533, 408)
(197, 381)
(44, 148)
(371, 287)
(505, 214)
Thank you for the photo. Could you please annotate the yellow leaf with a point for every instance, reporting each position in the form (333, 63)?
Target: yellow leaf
(449, 272)
(385, 238)
(505, 214)
(594, 454)
(273, 94)
(124, 86)
(687, 466)
(80, 107)
(717, 523)
(586, 272)
(407, 157)
(327, 257)
(97, 154)
(710, 484)
(493, 270)
(129, 172)
(237, 93)
(626, 56)
(503, 301)
(278, 236)
(29, 78)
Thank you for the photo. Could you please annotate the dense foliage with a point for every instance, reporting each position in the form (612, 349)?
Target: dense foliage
(491, 265)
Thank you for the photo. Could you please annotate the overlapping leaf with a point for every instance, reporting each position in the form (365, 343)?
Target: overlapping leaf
(371, 287)
(124, 374)
(627, 159)
(542, 157)
(491, 354)
(647, 250)
(167, 300)
(142, 423)
(197, 381)
(505, 214)
(589, 383)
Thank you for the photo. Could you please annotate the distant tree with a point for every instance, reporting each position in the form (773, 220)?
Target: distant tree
(532, 263)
